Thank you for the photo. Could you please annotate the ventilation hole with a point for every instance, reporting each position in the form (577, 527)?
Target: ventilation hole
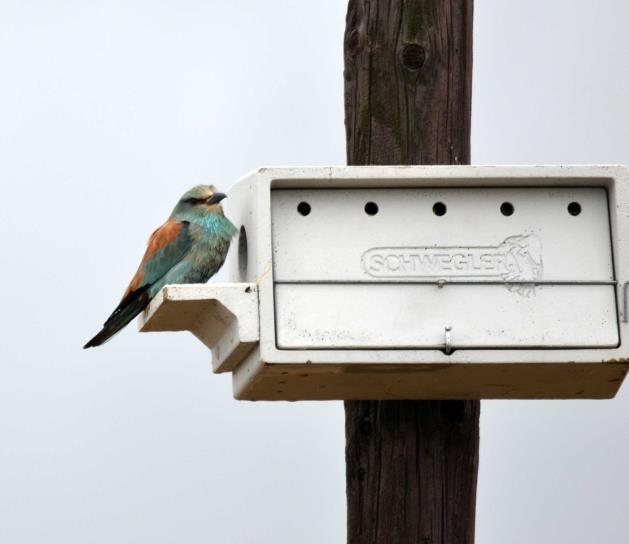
(304, 208)
(506, 208)
(439, 209)
(574, 208)
(243, 254)
(371, 208)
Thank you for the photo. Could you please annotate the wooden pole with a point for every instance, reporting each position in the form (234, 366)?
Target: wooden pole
(411, 465)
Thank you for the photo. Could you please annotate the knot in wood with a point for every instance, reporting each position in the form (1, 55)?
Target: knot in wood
(353, 43)
(413, 56)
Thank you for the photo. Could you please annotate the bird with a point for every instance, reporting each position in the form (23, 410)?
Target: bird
(190, 247)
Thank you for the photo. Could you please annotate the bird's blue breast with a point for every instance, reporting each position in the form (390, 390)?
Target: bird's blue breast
(211, 236)
(214, 227)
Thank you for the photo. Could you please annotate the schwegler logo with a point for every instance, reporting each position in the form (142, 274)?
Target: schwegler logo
(515, 261)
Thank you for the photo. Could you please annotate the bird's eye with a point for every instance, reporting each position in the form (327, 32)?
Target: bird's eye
(194, 201)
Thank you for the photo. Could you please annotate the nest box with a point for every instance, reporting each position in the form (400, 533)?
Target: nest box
(418, 283)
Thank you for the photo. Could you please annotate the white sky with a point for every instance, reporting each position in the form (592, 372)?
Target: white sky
(110, 110)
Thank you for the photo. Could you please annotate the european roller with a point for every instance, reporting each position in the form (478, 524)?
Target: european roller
(189, 247)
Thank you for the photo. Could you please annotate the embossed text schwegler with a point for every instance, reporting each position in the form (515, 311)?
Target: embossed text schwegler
(518, 258)
(433, 262)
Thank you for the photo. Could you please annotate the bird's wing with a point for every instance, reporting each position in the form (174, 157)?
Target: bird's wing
(166, 247)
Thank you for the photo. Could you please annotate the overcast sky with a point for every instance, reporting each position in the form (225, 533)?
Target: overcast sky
(110, 110)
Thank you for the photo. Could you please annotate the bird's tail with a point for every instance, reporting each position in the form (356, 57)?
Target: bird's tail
(130, 307)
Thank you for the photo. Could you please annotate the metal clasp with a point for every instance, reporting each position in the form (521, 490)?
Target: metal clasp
(448, 344)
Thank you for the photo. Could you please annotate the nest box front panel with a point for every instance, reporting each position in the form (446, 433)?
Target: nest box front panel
(443, 268)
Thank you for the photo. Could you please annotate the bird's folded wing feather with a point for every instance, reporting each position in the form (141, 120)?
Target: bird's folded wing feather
(166, 247)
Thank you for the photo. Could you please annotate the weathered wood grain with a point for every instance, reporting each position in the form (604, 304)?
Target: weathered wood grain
(408, 81)
(411, 465)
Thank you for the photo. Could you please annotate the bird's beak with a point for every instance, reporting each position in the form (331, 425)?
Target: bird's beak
(216, 198)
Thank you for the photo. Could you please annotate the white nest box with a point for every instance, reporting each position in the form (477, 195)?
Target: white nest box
(418, 283)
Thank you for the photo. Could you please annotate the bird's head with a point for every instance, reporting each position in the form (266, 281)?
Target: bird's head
(199, 201)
